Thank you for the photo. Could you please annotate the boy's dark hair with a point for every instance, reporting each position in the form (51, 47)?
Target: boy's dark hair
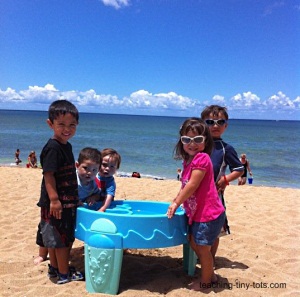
(214, 110)
(89, 153)
(198, 126)
(113, 154)
(59, 107)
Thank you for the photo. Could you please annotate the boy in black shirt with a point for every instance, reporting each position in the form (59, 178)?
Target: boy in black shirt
(59, 191)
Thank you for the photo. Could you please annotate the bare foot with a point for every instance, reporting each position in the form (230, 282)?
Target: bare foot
(193, 283)
(38, 260)
(214, 279)
(196, 286)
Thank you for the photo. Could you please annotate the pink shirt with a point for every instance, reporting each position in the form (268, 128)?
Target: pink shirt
(204, 205)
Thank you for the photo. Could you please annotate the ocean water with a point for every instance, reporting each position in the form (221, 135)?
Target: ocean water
(146, 143)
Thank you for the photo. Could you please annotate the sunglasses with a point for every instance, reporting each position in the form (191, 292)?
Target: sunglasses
(197, 139)
(220, 122)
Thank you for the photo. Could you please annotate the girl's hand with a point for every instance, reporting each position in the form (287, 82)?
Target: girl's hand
(172, 209)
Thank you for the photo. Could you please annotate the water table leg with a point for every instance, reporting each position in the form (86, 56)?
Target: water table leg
(189, 259)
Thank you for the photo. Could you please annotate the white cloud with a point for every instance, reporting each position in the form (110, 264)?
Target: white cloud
(9, 95)
(280, 100)
(241, 105)
(218, 99)
(171, 100)
(246, 99)
(39, 94)
(117, 4)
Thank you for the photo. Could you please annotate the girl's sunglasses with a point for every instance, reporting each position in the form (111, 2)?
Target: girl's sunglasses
(197, 139)
(219, 122)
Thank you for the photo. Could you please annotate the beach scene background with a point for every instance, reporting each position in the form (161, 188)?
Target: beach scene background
(146, 143)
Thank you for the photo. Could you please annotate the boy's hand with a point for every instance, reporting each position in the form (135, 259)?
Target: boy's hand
(92, 199)
(56, 209)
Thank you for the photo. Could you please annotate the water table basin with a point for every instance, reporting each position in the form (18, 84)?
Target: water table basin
(126, 224)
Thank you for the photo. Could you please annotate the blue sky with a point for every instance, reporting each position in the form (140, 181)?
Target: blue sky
(153, 57)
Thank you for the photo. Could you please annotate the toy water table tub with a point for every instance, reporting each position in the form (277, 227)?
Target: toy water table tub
(127, 224)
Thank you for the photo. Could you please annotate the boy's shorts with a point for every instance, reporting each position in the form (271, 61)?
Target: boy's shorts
(207, 233)
(57, 233)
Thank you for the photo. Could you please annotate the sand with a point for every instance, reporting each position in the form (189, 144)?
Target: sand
(260, 258)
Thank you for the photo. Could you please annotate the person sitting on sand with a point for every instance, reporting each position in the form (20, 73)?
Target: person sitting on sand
(32, 160)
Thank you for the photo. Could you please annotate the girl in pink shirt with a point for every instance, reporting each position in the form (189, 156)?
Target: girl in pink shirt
(199, 196)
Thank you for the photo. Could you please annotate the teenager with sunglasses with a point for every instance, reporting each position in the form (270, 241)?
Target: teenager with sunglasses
(199, 196)
(223, 156)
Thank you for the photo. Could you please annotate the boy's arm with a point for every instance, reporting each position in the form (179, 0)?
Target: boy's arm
(108, 200)
(226, 179)
(55, 204)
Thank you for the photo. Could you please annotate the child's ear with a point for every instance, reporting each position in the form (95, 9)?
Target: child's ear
(50, 124)
(76, 164)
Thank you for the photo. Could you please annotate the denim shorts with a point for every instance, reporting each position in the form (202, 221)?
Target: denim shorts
(207, 233)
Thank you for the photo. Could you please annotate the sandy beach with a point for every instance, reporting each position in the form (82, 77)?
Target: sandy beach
(260, 258)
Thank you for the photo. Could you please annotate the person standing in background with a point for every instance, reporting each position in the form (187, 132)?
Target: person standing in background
(179, 174)
(246, 163)
(17, 157)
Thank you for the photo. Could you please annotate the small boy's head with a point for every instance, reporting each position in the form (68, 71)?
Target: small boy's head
(215, 117)
(89, 153)
(88, 164)
(214, 111)
(111, 161)
(62, 107)
(63, 119)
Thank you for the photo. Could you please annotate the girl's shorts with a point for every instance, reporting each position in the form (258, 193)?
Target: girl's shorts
(207, 233)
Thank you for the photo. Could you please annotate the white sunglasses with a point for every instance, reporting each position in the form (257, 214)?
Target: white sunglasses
(197, 139)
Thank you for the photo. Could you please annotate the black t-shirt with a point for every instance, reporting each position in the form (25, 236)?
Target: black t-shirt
(59, 159)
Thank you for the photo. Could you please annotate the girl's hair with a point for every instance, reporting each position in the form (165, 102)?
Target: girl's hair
(214, 110)
(89, 153)
(113, 154)
(197, 126)
(62, 107)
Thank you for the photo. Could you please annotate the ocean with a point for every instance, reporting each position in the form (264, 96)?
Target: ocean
(146, 143)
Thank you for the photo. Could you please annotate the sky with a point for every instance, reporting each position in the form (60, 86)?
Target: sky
(152, 57)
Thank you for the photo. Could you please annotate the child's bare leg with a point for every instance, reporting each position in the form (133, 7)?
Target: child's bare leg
(62, 257)
(43, 253)
(207, 272)
(214, 248)
(52, 257)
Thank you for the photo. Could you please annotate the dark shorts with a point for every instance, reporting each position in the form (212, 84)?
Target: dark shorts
(54, 233)
(207, 233)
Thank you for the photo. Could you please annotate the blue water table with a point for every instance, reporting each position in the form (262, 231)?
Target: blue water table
(127, 224)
